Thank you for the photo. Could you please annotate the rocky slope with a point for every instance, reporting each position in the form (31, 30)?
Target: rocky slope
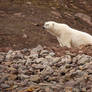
(42, 70)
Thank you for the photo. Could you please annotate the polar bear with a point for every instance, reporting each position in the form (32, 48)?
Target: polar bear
(66, 35)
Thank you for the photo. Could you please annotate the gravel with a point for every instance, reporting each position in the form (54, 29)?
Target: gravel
(40, 70)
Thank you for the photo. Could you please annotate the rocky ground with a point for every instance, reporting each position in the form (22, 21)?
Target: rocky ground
(43, 70)
(26, 66)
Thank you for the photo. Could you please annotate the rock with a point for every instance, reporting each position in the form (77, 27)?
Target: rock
(83, 90)
(9, 54)
(35, 78)
(57, 14)
(44, 52)
(27, 62)
(66, 59)
(28, 3)
(26, 51)
(47, 71)
(18, 14)
(4, 86)
(2, 57)
(70, 83)
(34, 55)
(37, 66)
(84, 17)
(47, 89)
(13, 55)
(68, 89)
(39, 60)
(52, 54)
(25, 36)
(54, 61)
(43, 69)
(84, 59)
(12, 77)
(37, 49)
(23, 76)
(4, 78)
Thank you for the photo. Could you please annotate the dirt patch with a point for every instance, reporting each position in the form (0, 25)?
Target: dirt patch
(21, 20)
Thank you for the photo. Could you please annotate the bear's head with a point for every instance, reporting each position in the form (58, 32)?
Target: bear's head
(49, 25)
(55, 28)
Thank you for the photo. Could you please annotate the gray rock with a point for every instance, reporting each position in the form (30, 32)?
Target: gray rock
(84, 59)
(37, 49)
(2, 56)
(52, 54)
(38, 66)
(4, 86)
(9, 55)
(23, 76)
(66, 59)
(34, 55)
(14, 55)
(28, 61)
(39, 60)
(84, 17)
(4, 78)
(47, 71)
(28, 3)
(47, 89)
(54, 60)
(35, 78)
(44, 52)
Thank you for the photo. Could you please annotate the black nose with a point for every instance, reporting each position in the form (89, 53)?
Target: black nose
(43, 27)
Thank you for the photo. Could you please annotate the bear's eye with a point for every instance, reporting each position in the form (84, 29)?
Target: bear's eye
(47, 25)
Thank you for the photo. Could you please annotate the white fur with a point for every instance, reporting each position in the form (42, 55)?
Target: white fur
(66, 35)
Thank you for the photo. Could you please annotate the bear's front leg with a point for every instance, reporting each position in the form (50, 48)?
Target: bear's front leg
(64, 42)
(67, 44)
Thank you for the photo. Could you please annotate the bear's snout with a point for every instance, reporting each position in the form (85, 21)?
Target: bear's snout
(43, 27)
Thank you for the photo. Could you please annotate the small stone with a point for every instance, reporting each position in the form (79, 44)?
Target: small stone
(2, 57)
(56, 13)
(66, 59)
(54, 61)
(83, 90)
(37, 66)
(83, 60)
(44, 52)
(39, 60)
(34, 55)
(84, 17)
(47, 71)
(8, 56)
(4, 86)
(52, 54)
(68, 89)
(23, 76)
(18, 14)
(47, 89)
(37, 49)
(29, 3)
(35, 78)
(25, 36)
